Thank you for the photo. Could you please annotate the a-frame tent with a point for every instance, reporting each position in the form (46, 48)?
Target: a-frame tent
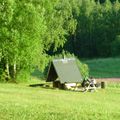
(65, 70)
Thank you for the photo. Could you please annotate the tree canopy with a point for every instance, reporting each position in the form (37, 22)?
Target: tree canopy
(32, 30)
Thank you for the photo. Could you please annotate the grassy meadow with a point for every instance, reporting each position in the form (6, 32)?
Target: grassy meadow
(21, 102)
(104, 68)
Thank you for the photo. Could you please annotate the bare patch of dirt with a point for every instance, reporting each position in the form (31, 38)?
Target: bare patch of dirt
(108, 79)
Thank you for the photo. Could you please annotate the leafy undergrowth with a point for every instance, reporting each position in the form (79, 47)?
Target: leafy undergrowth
(104, 68)
(20, 102)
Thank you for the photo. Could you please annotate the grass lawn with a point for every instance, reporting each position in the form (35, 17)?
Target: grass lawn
(20, 102)
(103, 68)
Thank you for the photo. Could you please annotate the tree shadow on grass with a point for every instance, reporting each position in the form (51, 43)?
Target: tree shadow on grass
(49, 86)
(42, 85)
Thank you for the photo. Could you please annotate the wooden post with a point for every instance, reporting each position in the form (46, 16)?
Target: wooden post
(103, 85)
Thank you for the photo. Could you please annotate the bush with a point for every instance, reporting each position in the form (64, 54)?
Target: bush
(83, 69)
(3, 76)
(23, 76)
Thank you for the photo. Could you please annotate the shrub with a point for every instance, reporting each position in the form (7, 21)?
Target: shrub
(23, 76)
(3, 76)
(83, 69)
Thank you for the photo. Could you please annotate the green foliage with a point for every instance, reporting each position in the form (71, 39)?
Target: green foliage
(38, 74)
(21, 36)
(116, 46)
(83, 69)
(97, 27)
(23, 76)
(59, 23)
(2, 76)
(32, 30)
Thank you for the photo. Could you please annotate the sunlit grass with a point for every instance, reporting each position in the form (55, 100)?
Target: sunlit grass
(20, 102)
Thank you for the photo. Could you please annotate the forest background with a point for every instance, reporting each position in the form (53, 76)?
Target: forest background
(32, 32)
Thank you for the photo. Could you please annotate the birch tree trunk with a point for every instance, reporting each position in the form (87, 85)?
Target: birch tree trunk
(14, 71)
(7, 71)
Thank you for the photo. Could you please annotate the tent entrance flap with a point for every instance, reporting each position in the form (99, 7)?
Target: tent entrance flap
(52, 74)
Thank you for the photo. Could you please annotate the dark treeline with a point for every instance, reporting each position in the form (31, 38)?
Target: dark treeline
(32, 30)
(102, 1)
(98, 30)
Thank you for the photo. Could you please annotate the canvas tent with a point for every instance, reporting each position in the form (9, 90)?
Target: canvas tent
(64, 71)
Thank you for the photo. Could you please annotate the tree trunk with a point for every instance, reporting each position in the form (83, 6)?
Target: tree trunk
(7, 77)
(14, 71)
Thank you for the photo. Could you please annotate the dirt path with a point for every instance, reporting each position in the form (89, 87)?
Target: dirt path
(109, 79)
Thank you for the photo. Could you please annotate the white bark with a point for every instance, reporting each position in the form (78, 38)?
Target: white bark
(7, 69)
(14, 70)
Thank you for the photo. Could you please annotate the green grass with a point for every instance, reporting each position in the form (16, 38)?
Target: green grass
(20, 102)
(103, 68)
